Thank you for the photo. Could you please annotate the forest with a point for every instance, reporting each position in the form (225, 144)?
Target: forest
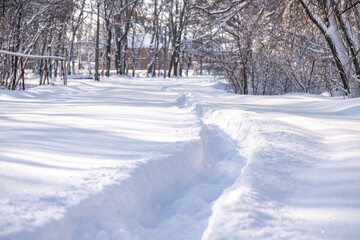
(262, 47)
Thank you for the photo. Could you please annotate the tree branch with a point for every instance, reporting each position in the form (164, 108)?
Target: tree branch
(352, 6)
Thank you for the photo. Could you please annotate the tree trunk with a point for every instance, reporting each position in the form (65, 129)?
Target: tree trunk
(108, 49)
(97, 77)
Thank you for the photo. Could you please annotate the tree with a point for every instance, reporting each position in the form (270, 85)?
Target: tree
(97, 43)
(178, 19)
(75, 24)
(329, 17)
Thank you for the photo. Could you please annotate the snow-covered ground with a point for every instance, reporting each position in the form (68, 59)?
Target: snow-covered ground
(176, 159)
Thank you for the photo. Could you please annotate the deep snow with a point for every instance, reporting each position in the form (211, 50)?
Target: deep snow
(176, 159)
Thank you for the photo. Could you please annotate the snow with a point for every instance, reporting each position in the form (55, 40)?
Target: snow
(176, 158)
(31, 56)
(143, 41)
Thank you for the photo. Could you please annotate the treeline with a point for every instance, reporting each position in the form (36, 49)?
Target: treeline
(260, 46)
(32, 27)
(281, 46)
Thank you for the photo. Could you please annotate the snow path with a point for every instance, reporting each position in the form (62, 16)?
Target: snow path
(121, 161)
(61, 145)
(177, 159)
(302, 175)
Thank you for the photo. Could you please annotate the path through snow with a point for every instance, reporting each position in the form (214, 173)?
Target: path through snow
(177, 159)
